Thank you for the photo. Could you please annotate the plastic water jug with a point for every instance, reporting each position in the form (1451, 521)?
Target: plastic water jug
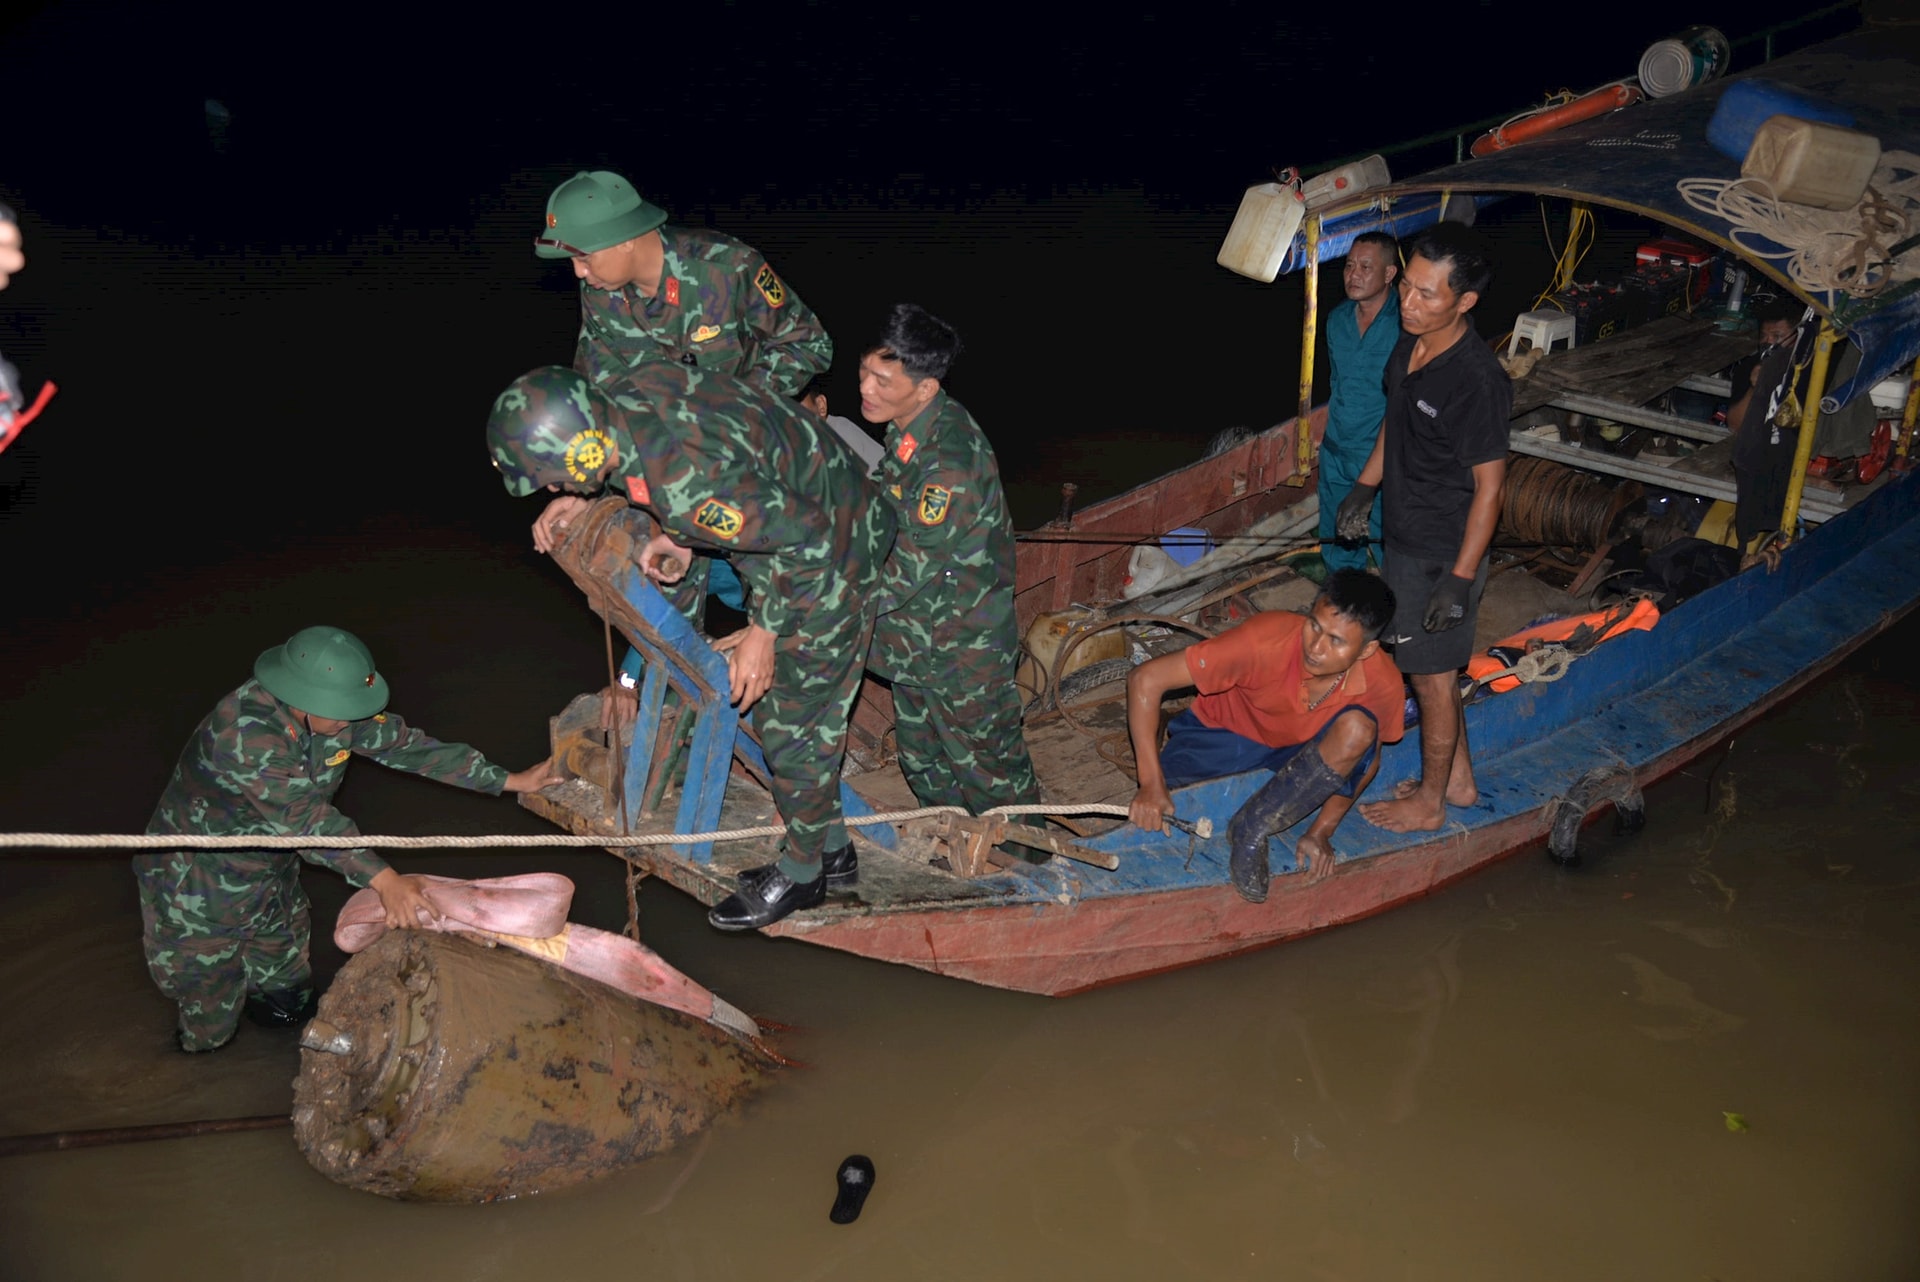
(1809, 163)
(1347, 180)
(1262, 231)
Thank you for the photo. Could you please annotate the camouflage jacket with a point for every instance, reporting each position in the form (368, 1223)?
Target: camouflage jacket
(948, 585)
(726, 466)
(719, 307)
(252, 768)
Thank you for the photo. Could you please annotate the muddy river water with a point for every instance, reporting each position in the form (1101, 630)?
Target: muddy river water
(1537, 1073)
(1528, 1075)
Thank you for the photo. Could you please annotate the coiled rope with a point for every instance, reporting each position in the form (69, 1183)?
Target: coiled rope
(1551, 503)
(622, 841)
(1825, 251)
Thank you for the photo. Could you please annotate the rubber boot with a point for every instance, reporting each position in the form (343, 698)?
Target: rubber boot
(283, 1007)
(1296, 790)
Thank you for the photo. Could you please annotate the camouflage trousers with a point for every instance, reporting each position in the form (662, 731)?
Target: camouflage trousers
(802, 722)
(959, 739)
(217, 926)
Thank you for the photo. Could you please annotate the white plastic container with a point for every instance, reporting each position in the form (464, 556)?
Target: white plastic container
(1809, 163)
(1889, 396)
(1348, 180)
(1269, 216)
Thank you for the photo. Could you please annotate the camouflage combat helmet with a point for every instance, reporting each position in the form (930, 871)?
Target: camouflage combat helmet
(545, 430)
(327, 672)
(592, 211)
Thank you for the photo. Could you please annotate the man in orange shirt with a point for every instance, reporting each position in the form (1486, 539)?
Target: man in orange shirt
(1310, 697)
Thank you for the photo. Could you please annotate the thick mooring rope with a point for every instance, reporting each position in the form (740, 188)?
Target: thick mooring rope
(192, 841)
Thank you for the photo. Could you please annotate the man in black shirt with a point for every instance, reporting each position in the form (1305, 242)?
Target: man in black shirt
(1442, 455)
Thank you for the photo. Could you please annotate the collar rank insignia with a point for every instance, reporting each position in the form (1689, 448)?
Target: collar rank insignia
(672, 291)
(935, 501)
(339, 757)
(894, 490)
(637, 490)
(770, 287)
(904, 450)
(706, 333)
(722, 520)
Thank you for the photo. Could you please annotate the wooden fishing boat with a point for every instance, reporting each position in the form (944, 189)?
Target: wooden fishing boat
(1123, 903)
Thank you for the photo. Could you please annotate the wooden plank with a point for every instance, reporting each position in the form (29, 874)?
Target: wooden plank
(1814, 507)
(1633, 367)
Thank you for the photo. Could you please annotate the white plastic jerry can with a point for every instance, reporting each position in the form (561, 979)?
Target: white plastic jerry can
(1262, 231)
(1811, 163)
(1347, 180)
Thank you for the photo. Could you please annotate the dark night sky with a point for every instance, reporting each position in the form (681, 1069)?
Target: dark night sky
(325, 302)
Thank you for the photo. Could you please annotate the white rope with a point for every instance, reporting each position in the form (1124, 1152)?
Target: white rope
(191, 841)
(1825, 251)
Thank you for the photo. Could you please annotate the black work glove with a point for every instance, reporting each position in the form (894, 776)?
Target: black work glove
(1447, 607)
(1351, 521)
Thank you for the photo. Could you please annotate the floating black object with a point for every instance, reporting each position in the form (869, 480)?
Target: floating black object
(856, 1181)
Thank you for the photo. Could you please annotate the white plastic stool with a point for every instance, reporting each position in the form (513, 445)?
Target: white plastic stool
(1541, 328)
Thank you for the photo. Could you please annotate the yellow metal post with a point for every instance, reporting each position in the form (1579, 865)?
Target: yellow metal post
(1809, 421)
(1309, 332)
(1907, 418)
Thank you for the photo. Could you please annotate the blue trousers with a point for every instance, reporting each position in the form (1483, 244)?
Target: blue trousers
(1197, 751)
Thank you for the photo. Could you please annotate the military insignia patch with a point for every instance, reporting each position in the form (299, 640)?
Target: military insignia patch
(338, 757)
(721, 520)
(904, 450)
(381, 717)
(770, 287)
(637, 490)
(673, 291)
(706, 333)
(934, 502)
(587, 453)
(894, 490)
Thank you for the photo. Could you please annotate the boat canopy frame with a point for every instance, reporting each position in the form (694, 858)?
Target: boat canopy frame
(1633, 160)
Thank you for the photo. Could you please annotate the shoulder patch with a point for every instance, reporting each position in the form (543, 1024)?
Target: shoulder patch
(587, 452)
(904, 450)
(722, 520)
(672, 291)
(935, 500)
(706, 333)
(770, 287)
(637, 490)
(339, 757)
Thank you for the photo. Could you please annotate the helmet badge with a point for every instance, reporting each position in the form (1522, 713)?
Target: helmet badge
(551, 220)
(587, 453)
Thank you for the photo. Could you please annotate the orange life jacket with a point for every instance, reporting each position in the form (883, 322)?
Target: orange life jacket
(1580, 633)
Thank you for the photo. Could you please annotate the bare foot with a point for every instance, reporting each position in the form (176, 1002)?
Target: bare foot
(1406, 814)
(1318, 856)
(1457, 795)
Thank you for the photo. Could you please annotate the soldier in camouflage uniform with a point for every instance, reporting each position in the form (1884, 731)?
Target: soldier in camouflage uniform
(651, 292)
(946, 636)
(719, 464)
(227, 927)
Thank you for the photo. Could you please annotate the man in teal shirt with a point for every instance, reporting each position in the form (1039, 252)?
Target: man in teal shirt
(1361, 333)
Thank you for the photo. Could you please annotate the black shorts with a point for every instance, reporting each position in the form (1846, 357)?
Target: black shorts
(1417, 651)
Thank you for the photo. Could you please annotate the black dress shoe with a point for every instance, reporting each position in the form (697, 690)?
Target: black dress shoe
(840, 867)
(756, 906)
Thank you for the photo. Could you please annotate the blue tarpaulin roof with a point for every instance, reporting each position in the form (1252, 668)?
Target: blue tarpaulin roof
(1633, 160)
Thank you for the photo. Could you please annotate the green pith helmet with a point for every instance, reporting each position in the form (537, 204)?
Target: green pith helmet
(327, 672)
(591, 211)
(544, 431)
